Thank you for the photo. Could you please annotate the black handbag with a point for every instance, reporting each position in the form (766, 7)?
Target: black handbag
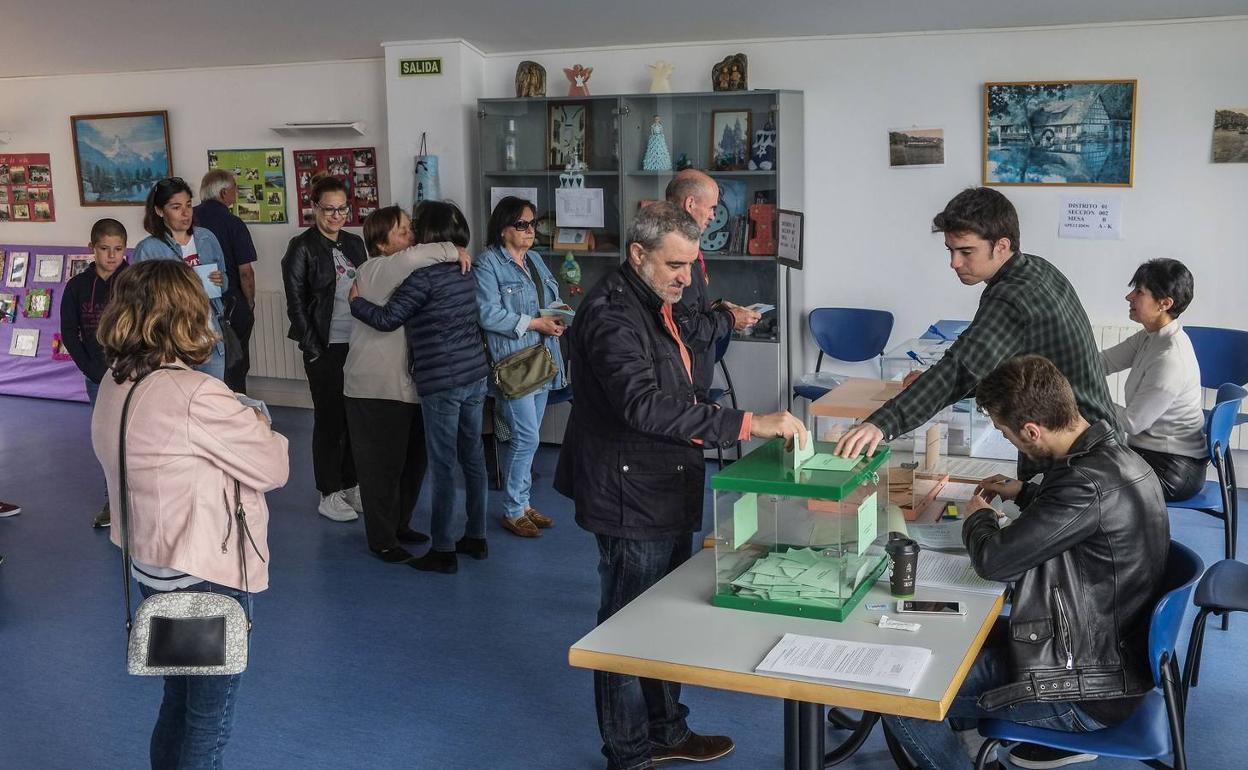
(529, 370)
(185, 633)
(233, 345)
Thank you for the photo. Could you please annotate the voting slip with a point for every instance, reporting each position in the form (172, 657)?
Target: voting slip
(887, 666)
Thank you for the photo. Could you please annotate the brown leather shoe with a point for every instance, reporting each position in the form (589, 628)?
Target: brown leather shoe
(540, 519)
(696, 748)
(521, 527)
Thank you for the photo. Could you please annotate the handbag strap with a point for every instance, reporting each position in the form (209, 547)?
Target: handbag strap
(126, 560)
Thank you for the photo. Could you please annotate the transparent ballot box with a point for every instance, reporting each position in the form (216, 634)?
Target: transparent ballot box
(799, 540)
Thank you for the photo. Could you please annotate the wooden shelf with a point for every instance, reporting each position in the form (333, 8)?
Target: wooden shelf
(356, 126)
(712, 173)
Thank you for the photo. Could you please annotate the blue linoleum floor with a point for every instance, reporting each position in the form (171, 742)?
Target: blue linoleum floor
(359, 664)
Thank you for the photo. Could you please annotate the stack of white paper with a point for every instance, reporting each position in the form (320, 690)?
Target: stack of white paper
(887, 666)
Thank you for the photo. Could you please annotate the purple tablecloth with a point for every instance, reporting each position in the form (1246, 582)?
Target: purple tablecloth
(41, 376)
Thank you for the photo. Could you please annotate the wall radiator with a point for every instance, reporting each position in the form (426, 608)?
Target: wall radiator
(272, 353)
(1108, 336)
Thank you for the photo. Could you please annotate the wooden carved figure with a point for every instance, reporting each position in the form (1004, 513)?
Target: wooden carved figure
(763, 216)
(578, 79)
(660, 77)
(530, 79)
(730, 74)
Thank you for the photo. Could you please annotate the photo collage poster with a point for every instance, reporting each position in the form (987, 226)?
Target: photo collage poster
(261, 177)
(26, 188)
(357, 167)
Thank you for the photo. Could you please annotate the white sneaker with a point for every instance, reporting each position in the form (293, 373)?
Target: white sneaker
(335, 508)
(352, 496)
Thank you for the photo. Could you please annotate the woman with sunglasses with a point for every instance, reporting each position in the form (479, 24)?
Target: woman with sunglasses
(508, 274)
(317, 273)
(167, 217)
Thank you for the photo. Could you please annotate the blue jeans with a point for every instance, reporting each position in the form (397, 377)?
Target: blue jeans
(933, 746)
(215, 365)
(197, 712)
(636, 715)
(524, 415)
(453, 431)
(93, 391)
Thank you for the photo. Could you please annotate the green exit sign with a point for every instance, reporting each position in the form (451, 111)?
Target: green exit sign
(420, 67)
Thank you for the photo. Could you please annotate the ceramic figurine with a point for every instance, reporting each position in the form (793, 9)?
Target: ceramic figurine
(730, 74)
(578, 79)
(763, 153)
(657, 157)
(570, 272)
(660, 77)
(683, 162)
(530, 79)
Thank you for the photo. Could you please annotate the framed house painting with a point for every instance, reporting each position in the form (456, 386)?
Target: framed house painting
(730, 140)
(120, 155)
(1078, 132)
(567, 134)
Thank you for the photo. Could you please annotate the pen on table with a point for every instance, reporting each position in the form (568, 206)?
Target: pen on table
(916, 358)
(933, 330)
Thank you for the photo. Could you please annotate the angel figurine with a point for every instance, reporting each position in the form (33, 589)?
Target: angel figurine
(578, 79)
(660, 74)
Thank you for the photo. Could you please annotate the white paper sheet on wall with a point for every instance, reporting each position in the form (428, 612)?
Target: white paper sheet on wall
(579, 207)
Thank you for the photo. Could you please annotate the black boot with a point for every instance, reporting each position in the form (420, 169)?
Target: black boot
(476, 547)
(437, 561)
(393, 555)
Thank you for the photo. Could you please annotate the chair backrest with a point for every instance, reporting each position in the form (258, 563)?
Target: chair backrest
(1222, 418)
(1221, 353)
(1183, 569)
(851, 333)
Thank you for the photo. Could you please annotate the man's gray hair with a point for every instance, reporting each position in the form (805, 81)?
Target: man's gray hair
(657, 220)
(685, 186)
(214, 183)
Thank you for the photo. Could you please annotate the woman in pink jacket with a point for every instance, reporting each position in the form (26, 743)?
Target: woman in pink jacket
(188, 439)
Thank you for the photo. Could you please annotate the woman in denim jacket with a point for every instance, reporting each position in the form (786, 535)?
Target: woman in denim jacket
(168, 218)
(508, 305)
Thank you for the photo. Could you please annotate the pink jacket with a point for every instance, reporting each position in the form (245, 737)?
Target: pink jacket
(187, 439)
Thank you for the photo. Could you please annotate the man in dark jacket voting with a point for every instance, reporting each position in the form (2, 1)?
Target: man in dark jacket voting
(632, 462)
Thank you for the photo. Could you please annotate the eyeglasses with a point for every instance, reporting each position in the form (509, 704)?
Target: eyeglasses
(339, 211)
(520, 225)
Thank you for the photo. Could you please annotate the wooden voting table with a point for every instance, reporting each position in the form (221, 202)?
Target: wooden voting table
(673, 632)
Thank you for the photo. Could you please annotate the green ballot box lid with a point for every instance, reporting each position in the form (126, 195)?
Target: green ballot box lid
(769, 470)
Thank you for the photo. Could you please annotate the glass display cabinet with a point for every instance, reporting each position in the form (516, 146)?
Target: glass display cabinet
(804, 541)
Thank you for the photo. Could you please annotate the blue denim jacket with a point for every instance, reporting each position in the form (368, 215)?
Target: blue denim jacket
(507, 301)
(209, 250)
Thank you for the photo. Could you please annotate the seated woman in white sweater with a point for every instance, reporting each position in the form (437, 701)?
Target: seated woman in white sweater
(1163, 417)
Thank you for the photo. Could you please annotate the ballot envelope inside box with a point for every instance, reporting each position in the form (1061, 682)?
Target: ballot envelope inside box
(799, 535)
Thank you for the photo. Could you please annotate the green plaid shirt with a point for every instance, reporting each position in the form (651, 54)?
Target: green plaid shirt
(1027, 307)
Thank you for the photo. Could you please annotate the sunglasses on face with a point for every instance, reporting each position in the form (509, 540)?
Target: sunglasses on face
(520, 225)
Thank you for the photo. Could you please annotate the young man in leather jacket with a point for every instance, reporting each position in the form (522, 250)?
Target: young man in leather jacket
(1085, 559)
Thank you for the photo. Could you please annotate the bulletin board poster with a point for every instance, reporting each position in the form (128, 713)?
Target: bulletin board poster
(261, 177)
(356, 166)
(26, 188)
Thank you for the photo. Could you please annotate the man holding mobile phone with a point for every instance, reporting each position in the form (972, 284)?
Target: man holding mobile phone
(1085, 557)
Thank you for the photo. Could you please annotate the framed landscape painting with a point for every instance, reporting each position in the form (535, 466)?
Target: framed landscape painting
(1079, 132)
(120, 155)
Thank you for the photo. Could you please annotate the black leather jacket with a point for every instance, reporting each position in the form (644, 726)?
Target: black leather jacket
(309, 278)
(1086, 558)
(628, 460)
(702, 324)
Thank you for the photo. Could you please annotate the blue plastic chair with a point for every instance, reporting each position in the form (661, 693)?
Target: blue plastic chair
(1223, 590)
(846, 334)
(1156, 727)
(1223, 357)
(719, 394)
(1219, 498)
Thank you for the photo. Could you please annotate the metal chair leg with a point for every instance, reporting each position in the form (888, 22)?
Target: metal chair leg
(861, 730)
(1195, 644)
(986, 751)
(1174, 710)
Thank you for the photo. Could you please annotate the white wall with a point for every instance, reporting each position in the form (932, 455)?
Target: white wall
(868, 226)
(221, 108)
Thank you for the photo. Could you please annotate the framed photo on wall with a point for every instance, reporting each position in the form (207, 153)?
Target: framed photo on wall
(568, 133)
(118, 156)
(1076, 132)
(730, 140)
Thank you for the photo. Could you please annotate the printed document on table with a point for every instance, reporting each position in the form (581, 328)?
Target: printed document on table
(949, 570)
(888, 666)
(941, 536)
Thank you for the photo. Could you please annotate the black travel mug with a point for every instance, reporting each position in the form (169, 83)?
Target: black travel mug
(905, 555)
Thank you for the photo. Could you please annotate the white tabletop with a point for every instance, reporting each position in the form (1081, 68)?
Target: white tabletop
(673, 632)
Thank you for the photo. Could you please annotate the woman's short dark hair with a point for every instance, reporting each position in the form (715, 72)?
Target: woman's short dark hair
(1166, 279)
(440, 222)
(508, 210)
(378, 225)
(1028, 389)
(982, 211)
(157, 197)
(327, 184)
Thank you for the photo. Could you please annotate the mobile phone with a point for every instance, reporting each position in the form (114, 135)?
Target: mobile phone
(930, 607)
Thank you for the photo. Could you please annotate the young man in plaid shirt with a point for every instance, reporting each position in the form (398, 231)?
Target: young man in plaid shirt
(1027, 306)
